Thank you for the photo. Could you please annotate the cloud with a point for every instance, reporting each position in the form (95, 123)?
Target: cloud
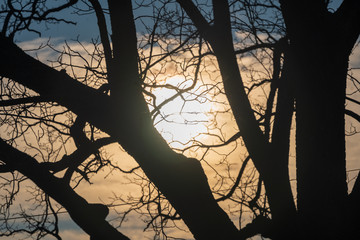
(74, 235)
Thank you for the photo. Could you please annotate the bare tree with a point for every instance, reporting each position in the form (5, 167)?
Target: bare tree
(263, 67)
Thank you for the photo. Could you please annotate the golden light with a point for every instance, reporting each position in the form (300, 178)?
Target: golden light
(185, 116)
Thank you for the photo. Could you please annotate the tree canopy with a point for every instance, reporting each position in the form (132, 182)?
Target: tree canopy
(188, 119)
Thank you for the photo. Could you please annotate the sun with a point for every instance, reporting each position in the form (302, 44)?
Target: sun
(184, 117)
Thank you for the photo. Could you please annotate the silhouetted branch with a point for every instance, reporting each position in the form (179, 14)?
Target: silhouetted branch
(78, 208)
(78, 156)
(352, 114)
(260, 225)
(202, 25)
(103, 31)
(255, 47)
(11, 102)
(348, 16)
(58, 9)
(4, 169)
(352, 100)
(236, 184)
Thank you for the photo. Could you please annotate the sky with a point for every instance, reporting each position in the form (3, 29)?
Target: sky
(85, 29)
(100, 190)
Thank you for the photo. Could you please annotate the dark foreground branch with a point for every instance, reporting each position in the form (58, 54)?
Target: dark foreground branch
(90, 217)
(260, 225)
(182, 180)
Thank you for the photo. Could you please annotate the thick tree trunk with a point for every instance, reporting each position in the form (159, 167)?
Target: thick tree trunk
(182, 180)
(321, 43)
(320, 137)
(271, 164)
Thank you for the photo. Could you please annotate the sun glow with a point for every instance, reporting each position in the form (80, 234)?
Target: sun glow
(180, 115)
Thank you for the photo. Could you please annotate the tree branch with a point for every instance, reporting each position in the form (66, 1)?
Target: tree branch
(348, 19)
(352, 100)
(5, 168)
(87, 216)
(236, 184)
(78, 156)
(12, 102)
(260, 225)
(303, 17)
(352, 114)
(59, 8)
(200, 22)
(130, 124)
(254, 47)
(123, 73)
(259, 149)
(221, 14)
(103, 31)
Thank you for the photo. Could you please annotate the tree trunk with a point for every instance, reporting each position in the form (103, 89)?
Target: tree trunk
(320, 135)
(271, 164)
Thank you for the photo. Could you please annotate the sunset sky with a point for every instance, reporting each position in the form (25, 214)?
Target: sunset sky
(190, 117)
